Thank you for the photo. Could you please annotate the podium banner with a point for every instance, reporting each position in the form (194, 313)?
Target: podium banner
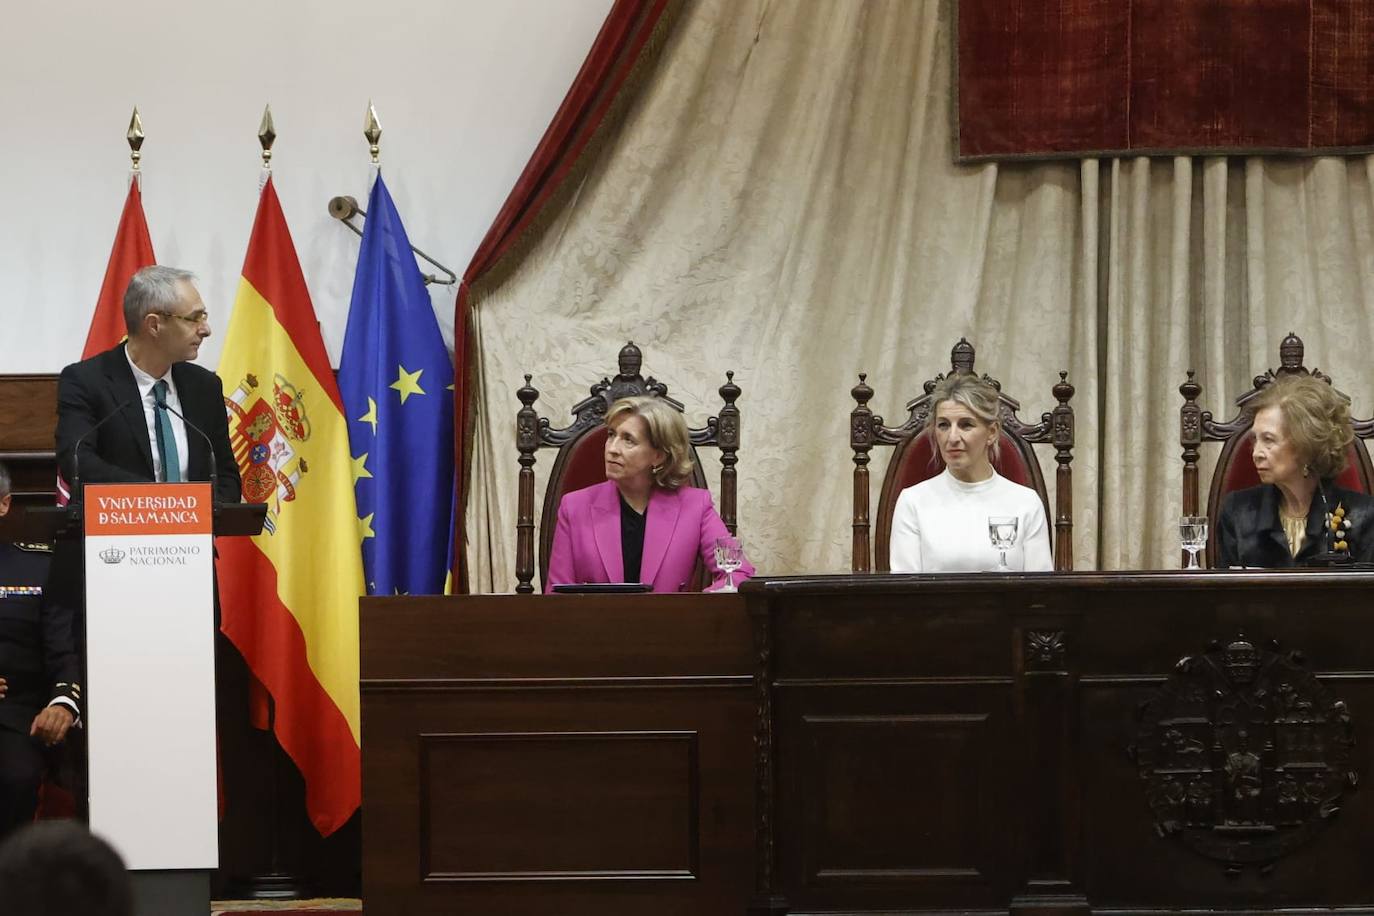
(150, 672)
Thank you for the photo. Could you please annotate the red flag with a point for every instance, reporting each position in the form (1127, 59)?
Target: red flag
(133, 250)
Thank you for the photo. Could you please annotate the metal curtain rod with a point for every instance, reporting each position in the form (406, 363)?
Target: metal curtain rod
(344, 207)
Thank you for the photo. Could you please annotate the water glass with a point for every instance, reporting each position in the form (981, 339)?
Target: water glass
(729, 557)
(1002, 533)
(1192, 531)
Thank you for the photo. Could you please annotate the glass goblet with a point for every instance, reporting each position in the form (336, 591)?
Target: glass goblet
(729, 557)
(1192, 532)
(1002, 533)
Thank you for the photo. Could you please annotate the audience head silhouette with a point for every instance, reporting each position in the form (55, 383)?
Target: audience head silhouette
(59, 868)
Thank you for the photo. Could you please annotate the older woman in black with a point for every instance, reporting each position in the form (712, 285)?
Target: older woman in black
(1302, 437)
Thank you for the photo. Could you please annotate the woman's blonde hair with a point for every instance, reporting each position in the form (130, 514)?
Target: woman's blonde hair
(975, 395)
(667, 433)
(1316, 419)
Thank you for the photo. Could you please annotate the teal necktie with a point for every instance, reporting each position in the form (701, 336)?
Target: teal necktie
(166, 441)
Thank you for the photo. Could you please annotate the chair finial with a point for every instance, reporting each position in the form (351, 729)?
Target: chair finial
(729, 392)
(1063, 390)
(961, 357)
(1290, 353)
(631, 360)
(862, 392)
(1190, 389)
(527, 393)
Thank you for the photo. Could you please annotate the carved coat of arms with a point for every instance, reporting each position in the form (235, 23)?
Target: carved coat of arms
(1243, 754)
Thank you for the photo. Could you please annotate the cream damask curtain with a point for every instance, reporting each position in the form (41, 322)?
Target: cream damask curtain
(781, 200)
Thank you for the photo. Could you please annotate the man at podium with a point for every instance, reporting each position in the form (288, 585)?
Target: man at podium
(39, 693)
(141, 412)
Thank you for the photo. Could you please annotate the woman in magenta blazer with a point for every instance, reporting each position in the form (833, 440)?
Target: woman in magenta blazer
(641, 524)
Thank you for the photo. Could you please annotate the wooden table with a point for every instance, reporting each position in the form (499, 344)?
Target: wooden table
(875, 744)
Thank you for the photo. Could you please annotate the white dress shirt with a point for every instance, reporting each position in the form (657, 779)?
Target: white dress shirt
(145, 383)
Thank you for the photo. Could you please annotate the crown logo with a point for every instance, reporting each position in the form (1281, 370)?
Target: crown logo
(112, 555)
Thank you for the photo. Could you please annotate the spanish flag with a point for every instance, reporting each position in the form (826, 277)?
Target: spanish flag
(289, 596)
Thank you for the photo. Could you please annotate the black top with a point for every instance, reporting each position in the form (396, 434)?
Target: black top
(1249, 532)
(632, 539)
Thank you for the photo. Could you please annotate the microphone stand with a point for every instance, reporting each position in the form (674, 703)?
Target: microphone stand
(1330, 557)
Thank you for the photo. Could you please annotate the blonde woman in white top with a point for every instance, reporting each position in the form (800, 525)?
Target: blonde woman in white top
(941, 524)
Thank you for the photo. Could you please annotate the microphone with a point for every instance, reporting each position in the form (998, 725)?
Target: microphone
(209, 446)
(76, 449)
(1328, 536)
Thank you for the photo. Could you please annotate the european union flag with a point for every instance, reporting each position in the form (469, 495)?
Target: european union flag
(396, 378)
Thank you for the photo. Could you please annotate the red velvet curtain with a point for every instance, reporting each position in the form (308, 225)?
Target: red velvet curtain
(1044, 78)
(621, 43)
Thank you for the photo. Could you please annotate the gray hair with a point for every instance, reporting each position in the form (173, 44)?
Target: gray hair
(5, 482)
(152, 289)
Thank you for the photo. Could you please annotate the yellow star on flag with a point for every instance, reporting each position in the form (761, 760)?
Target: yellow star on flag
(365, 527)
(370, 416)
(360, 467)
(407, 383)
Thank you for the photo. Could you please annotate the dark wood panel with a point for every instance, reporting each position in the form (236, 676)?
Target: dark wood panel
(596, 755)
(935, 763)
(562, 636)
(28, 417)
(28, 413)
(895, 792)
(571, 805)
(1128, 861)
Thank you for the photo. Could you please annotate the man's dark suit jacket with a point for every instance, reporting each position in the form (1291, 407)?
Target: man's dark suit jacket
(120, 452)
(1249, 532)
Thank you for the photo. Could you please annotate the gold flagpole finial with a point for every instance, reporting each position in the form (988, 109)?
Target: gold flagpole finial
(372, 130)
(135, 136)
(267, 134)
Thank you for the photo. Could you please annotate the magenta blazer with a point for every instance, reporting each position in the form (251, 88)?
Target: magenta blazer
(682, 527)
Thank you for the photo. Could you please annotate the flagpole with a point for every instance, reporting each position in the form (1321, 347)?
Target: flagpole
(135, 137)
(275, 883)
(372, 130)
(267, 135)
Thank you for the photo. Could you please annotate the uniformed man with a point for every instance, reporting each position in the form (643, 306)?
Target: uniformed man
(39, 694)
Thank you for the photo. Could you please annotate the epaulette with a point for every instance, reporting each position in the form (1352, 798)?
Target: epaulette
(33, 548)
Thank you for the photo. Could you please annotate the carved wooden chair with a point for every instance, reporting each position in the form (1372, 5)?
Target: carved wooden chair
(917, 458)
(580, 445)
(1235, 469)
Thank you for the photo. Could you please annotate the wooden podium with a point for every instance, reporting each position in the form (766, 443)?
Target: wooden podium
(584, 755)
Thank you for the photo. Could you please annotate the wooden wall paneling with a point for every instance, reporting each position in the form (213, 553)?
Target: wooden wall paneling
(28, 417)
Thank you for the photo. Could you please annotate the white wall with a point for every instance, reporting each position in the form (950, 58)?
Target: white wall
(464, 90)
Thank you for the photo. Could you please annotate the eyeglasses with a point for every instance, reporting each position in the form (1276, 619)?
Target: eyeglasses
(198, 317)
